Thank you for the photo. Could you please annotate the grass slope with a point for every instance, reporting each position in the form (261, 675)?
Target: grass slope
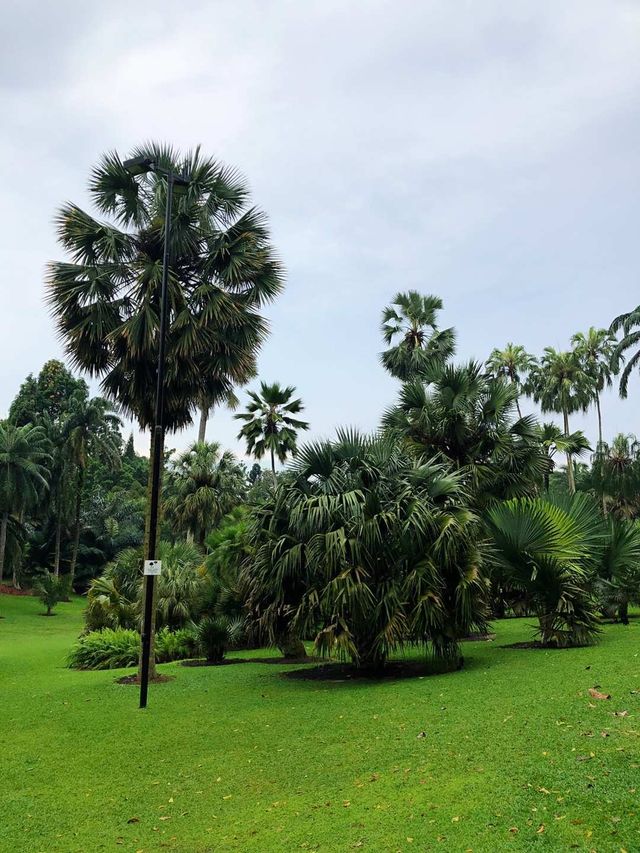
(239, 759)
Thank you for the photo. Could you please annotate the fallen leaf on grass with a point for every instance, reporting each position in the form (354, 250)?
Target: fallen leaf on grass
(421, 735)
(540, 829)
(165, 817)
(595, 694)
(620, 713)
(513, 830)
(134, 820)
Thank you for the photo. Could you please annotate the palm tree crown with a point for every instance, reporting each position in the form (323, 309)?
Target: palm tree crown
(106, 298)
(629, 325)
(411, 321)
(560, 383)
(24, 475)
(269, 425)
(514, 362)
(595, 352)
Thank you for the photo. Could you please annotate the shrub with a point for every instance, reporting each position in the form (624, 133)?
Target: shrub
(106, 649)
(51, 589)
(114, 649)
(214, 635)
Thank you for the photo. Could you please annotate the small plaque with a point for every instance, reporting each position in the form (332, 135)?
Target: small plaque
(152, 567)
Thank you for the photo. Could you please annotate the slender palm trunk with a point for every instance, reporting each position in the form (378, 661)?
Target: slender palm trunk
(518, 408)
(570, 477)
(56, 549)
(153, 672)
(76, 527)
(202, 429)
(273, 464)
(3, 541)
(599, 419)
(515, 385)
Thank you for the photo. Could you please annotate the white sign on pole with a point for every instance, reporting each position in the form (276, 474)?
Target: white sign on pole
(152, 567)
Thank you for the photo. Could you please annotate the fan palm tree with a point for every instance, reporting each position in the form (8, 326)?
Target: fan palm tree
(91, 429)
(205, 485)
(560, 383)
(465, 418)
(551, 552)
(24, 475)
(629, 325)
(514, 362)
(369, 547)
(615, 476)
(268, 422)
(106, 297)
(619, 572)
(411, 321)
(553, 441)
(595, 351)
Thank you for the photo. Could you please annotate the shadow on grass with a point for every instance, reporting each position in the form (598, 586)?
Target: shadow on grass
(396, 670)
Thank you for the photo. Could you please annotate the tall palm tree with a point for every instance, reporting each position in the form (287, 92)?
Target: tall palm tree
(595, 351)
(553, 440)
(629, 325)
(205, 485)
(226, 398)
(514, 362)
(106, 297)
(91, 428)
(411, 321)
(24, 474)
(559, 383)
(269, 425)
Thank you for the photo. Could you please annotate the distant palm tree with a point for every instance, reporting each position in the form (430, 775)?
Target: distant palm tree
(24, 475)
(90, 428)
(514, 362)
(421, 346)
(269, 425)
(205, 485)
(560, 383)
(595, 351)
(629, 325)
(553, 440)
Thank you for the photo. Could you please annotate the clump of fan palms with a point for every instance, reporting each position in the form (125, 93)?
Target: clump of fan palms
(214, 635)
(468, 420)
(367, 548)
(618, 582)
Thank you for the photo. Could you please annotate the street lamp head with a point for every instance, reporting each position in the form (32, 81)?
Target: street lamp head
(139, 165)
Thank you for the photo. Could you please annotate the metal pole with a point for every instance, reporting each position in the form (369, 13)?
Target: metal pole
(158, 451)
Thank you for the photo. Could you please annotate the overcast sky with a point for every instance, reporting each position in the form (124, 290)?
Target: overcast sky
(485, 152)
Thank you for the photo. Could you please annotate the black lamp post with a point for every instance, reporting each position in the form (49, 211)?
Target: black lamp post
(139, 166)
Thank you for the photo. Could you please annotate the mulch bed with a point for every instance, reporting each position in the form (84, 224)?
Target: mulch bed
(536, 644)
(133, 679)
(5, 589)
(284, 661)
(347, 672)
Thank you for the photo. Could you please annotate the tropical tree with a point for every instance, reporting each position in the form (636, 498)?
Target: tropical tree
(420, 346)
(205, 485)
(269, 425)
(553, 440)
(618, 583)
(615, 476)
(513, 362)
(629, 326)
(368, 548)
(24, 475)
(90, 429)
(560, 383)
(106, 297)
(595, 352)
(551, 552)
(466, 419)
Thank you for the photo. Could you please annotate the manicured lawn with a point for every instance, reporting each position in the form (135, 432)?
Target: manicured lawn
(237, 758)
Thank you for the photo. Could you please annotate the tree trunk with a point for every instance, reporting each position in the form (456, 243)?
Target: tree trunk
(56, 550)
(202, 429)
(623, 611)
(76, 527)
(570, 477)
(273, 464)
(153, 672)
(599, 419)
(291, 646)
(3, 541)
(518, 408)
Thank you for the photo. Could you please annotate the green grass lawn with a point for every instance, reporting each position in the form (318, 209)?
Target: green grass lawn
(238, 758)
